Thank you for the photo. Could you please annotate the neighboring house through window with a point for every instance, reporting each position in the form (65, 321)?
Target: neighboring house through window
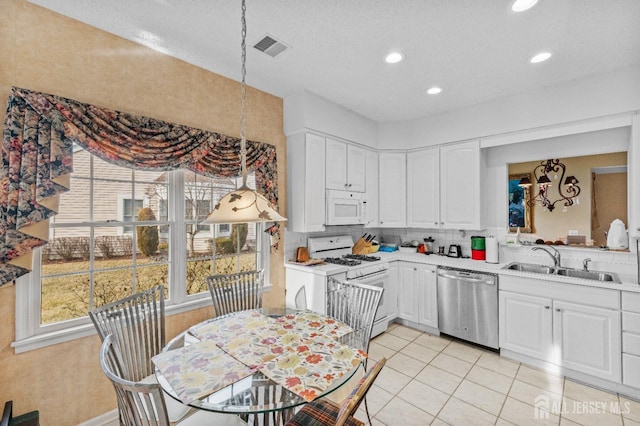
(99, 252)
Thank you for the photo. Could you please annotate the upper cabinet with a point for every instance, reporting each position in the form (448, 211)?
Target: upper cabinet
(423, 188)
(392, 189)
(346, 166)
(306, 198)
(443, 187)
(372, 189)
(460, 186)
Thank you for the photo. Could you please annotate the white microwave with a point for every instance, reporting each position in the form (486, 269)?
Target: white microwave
(346, 208)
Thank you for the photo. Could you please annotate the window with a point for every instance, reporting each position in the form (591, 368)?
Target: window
(99, 251)
(128, 209)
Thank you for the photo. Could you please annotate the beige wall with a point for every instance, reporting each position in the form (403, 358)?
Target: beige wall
(556, 224)
(43, 51)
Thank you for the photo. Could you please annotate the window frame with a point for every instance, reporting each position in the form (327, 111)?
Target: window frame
(30, 334)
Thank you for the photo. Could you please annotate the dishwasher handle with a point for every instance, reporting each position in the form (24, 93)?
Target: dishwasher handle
(469, 277)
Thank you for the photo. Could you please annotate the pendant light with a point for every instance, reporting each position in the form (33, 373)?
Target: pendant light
(244, 204)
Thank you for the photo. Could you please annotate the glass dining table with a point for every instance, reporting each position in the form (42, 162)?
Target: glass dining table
(260, 363)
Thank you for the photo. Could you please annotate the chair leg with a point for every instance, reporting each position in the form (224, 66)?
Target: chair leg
(366, 409)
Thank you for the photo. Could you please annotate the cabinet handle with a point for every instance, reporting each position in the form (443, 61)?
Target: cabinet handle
(558, 310)
(546, 307)
(349, 185)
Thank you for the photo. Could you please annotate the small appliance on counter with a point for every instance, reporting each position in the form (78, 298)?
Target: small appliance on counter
(478, 248)
(455, 251)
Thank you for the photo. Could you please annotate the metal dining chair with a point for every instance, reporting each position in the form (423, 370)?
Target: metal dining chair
(137, 323)
(143, 403)
(326, 412)
(236, 292)
(356, 305)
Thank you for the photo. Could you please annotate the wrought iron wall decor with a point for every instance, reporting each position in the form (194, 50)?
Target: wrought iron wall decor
(568, 189)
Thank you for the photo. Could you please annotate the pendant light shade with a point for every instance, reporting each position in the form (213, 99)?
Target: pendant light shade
(244, 205)
(241, 206)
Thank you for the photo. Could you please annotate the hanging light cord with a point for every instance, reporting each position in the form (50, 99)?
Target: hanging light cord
(243, 88)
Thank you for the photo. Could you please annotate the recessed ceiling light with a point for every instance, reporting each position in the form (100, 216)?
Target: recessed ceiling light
(394, 57)
(522, 5)
(540, 57)
(434, 90)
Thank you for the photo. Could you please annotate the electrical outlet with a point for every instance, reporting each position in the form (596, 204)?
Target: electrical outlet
(573, 232)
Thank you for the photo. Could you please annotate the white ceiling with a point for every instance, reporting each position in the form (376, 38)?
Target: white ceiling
(476, 50)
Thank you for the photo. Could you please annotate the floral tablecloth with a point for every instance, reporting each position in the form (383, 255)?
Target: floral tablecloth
(299, 351)
(199, 369)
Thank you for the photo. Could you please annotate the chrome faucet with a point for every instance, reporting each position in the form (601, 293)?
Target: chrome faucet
(555, 256)
(585, 264)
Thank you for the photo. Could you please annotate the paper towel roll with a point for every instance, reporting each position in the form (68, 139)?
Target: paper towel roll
(491, 249)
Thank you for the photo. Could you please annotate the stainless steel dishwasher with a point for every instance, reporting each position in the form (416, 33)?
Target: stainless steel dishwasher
(468, 305)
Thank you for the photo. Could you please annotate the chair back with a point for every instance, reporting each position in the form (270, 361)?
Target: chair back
(236, 292)
(138, 403)
(137, 325)
(355, 305)
(350, 405)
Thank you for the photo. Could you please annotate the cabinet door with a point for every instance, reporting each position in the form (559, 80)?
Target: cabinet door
(423, 188)
(372, 189)
(526, 325)
(588, 339)
(336, 164)
(408, 301)
(305, 182)
(460, 186)
(428, 295)
(393, 187)
(356, 168)
(315, 199)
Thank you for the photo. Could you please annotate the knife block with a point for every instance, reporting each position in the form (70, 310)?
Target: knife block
(361, 247)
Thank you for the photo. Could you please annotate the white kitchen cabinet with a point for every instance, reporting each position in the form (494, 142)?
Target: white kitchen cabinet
(575, 327)
(423, 188)
(408, 294)
(526, 325)
(417, 294)
(306, 199)
(392, 189)
(444, 186)
(461, 186)
(345, 166)
(588, 339)
(372, 189)
(428, 295)
(631, 339)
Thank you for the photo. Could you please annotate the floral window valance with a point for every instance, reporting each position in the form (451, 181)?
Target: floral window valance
(39, 132)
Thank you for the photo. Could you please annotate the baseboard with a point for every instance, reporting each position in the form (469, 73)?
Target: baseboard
(109, 418)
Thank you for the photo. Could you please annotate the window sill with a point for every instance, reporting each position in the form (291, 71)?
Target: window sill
(80, 331)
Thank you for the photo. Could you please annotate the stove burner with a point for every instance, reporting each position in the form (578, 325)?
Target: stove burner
(363, 257)
(342, 261)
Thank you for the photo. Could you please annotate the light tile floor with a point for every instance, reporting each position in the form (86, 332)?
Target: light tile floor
(439, 381)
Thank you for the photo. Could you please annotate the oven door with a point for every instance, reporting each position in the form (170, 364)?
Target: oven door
(345, 208)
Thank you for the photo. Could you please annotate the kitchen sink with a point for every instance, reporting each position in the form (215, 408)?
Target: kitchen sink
(589, 275)
(529, 267)
(565, 272)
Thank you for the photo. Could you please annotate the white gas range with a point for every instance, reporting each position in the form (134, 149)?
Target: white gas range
(341, 264)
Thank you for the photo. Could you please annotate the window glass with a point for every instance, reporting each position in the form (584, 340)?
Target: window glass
(114, 236)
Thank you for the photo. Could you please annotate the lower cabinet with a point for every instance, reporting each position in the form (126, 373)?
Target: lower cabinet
(417, 294)
(631, 339)
(579, 337)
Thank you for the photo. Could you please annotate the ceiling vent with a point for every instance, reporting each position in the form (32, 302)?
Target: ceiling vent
(270, 46)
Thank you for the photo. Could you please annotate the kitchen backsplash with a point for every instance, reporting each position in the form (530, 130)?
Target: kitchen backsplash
(620, 262)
